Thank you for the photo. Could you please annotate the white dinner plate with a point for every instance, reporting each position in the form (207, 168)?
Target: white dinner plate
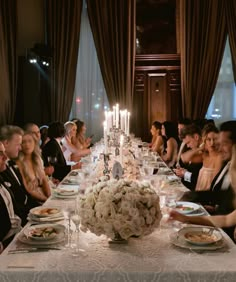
(71, 181)
(23, 239)
(47, 219)
(179, 241)
(200, 236)
(43, 232)
(185, 207)
(66, 192)
(43, 211)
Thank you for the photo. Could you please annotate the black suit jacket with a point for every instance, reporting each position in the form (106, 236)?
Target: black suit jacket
(21, 199)
(223, 199)
(194, 169)
(4, 219)
(53, 149)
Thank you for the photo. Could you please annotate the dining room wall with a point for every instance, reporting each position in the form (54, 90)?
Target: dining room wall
(30, 30)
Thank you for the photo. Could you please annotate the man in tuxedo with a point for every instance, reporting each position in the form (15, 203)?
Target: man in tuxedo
(10, 178)
(188, 170)
(10, 222)
(53, 149)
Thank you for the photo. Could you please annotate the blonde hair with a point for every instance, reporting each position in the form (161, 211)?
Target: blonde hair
(69, 125)
(36, 161)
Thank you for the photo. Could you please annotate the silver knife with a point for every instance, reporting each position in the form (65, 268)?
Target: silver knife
(32, 250)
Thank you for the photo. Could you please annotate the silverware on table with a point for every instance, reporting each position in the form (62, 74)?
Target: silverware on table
(32, 250)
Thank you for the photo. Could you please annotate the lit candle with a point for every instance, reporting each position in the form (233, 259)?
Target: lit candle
(117, 115)
(125, 121)
(121, 149)
(128, 118)
(114, 116)
(105, 136)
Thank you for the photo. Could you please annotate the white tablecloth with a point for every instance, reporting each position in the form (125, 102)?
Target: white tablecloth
(152, 258)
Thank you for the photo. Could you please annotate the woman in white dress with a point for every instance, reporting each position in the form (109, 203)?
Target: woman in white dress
(70, 151)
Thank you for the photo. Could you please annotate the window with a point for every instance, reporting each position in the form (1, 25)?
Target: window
(223, 102)
(90, 99)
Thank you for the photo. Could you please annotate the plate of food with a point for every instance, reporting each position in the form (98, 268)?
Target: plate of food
(180, 242)
(70, 181)
(45, 211)
(185, 207)
(43, 232)
(66, 192)
(200, 235)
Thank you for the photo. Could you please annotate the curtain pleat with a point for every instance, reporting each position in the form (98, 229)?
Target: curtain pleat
(203, 37)
(8, 61)
(231, 26)
(63, 30)
(113, 25)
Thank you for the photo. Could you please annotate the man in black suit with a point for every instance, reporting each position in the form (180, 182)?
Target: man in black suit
(53, 148)
(10, 178)
(189, 170)
(10, 222)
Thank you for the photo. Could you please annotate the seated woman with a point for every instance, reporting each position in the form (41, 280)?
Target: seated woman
(170, 131)
(211, 158)
(53, 149)
(70, 151)
(157, 144)
(44, 135)
(222, 221)
(31, 168)
(80, 141)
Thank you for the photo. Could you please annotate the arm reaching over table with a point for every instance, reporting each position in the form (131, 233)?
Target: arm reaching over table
(217, 220)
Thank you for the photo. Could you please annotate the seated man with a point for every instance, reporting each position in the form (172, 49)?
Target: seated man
(53, 150)
(11, 137)
(190, 164)
(10, 222)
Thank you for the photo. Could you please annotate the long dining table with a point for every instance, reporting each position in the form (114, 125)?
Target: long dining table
(151, 258)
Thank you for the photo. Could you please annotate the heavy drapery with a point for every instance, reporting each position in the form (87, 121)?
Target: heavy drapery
(63, 28)
(113, 24)
(202, 42)
(8, 60)
(230, 7)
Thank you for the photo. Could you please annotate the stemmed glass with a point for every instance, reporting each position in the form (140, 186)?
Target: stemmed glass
(52, 160)
(68, 210)
(76, 220)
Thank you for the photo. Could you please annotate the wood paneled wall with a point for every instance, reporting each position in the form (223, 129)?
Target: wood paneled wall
(157, 91)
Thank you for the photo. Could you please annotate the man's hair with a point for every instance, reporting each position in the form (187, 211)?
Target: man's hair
(185, 121)
(56, 129)
(190, 130)
(7, 132)
(230, 126)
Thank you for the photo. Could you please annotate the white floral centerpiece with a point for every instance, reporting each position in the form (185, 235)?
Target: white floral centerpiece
(124, 207)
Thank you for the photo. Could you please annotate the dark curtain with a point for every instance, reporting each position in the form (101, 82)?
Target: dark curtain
(231, 25)
(202, 43)
(63, 29)
(113, 25)
(8, 60)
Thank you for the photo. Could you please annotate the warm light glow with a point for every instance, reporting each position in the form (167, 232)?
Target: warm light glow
(78, 100)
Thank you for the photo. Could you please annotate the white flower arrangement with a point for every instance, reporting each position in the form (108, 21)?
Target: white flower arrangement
(123, 207)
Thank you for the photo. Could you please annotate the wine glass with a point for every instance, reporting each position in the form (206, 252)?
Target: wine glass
(52, 160)
(76, 220)
(68, 210)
